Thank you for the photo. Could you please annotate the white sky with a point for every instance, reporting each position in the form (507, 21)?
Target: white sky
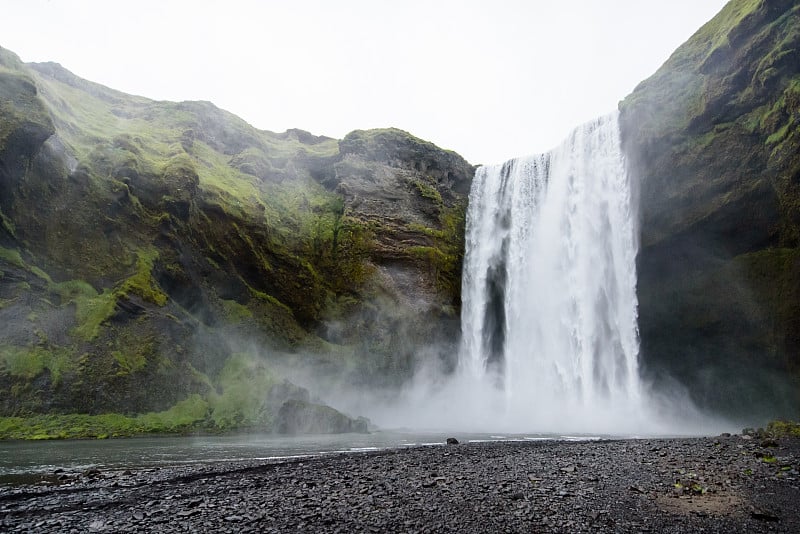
(489, 79)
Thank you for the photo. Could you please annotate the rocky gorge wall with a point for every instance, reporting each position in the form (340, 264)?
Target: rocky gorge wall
(714, 139)
(159, 253)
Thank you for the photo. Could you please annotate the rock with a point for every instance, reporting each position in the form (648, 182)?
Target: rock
(763, 515)
(300, 417)
(452, 441)
(188, 513)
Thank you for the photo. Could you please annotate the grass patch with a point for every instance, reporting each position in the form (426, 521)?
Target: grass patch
(185, 416)
(241, 401)
(782, 428)
(235, 311)
(13, 257)
(428, 191)
(129, 362)
(91, 312)
(142, 282)
(92, 309)
(30, 362)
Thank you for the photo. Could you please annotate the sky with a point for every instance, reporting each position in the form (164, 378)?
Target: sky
(491, 79)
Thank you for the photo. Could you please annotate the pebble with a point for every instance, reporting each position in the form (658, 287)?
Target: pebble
(599, 486)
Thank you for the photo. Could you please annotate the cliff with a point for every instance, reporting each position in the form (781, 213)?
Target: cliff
(154, 254)
(713, 138)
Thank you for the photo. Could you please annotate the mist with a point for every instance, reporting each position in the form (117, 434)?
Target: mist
(549, 342)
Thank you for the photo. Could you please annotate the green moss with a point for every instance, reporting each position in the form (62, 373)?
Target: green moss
(778, 136)
(244, 382)
(22, 362)
(30, 362)
(91, 312)
(188, 413)
(783, 428)
(129, 361)
(142, 282)
(446, 256)
(13, 257)
(91, 308)
(185, 416)
(428, 191)
(235, 311)
(7, 225)
(41, 274)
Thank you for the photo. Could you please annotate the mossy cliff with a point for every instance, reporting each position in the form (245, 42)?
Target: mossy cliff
(159, 253)
(714, 140)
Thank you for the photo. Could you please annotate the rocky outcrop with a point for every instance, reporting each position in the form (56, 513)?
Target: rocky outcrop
(412, 196)
(714, 139)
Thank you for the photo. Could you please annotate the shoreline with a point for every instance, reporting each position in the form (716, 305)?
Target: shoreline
(720, 484)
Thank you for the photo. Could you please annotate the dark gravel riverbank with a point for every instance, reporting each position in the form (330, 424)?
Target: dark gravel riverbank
(724, 484)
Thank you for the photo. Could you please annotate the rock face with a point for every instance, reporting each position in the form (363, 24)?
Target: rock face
(714, 138)
(153, 250)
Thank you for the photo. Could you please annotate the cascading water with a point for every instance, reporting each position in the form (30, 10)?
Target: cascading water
(549, 291)
(549, 325)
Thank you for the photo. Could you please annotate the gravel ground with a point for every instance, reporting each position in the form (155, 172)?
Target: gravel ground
(722, 484)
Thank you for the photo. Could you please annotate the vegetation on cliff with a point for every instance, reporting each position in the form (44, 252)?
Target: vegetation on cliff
(714, 137)
(156, 255)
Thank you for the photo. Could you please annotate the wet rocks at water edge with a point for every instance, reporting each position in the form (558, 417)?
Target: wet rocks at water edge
(721, 484)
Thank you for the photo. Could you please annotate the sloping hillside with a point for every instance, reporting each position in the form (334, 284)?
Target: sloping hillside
(153, 251)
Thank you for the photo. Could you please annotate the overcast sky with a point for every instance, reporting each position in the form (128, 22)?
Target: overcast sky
(489, 79)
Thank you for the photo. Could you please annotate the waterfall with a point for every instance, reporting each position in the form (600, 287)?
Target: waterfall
(549, 341)
(549, 325)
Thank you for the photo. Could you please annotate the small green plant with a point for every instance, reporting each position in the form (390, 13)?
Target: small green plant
(243, 382)
(697, 489)
(13, 257)
(427, 190)
(783, 428)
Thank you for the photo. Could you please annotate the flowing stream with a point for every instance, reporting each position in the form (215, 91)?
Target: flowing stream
(549, 292)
